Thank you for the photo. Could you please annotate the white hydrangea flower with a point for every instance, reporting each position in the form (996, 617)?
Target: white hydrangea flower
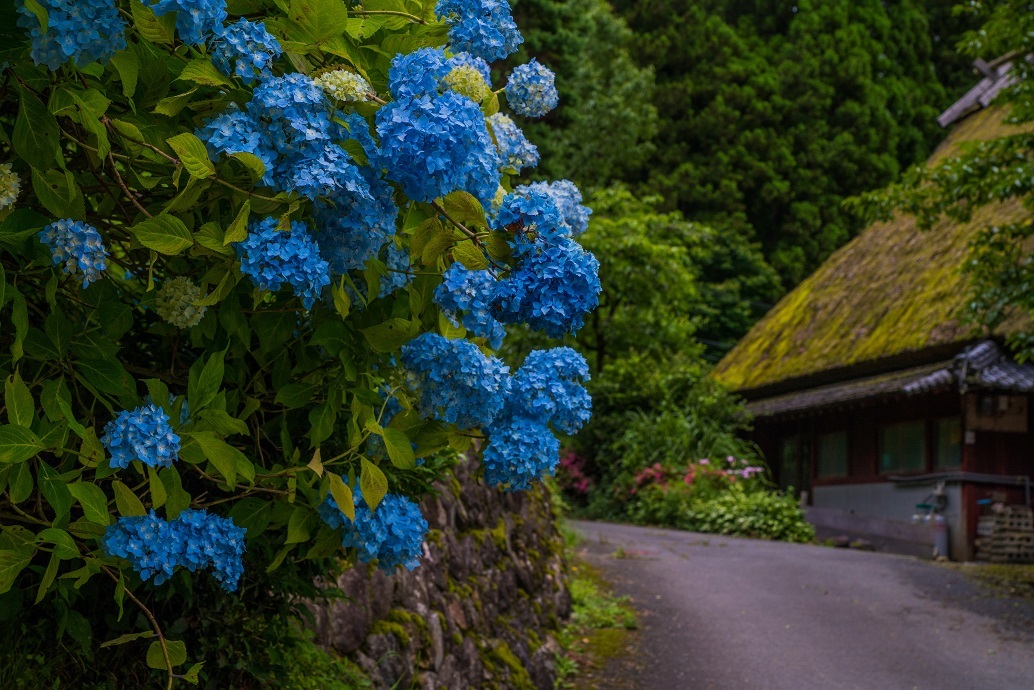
(10, 185)
(344, 85)
(177, 302)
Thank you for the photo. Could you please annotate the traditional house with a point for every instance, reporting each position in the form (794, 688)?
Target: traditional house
(872, 397)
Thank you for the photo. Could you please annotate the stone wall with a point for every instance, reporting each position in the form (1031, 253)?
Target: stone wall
(482, 609)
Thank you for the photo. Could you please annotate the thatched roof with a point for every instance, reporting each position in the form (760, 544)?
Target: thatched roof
(891, 297)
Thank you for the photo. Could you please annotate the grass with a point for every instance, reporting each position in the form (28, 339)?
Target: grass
(601, 623)
(1008, 579)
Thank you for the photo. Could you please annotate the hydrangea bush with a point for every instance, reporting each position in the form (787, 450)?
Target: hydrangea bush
(255, 259)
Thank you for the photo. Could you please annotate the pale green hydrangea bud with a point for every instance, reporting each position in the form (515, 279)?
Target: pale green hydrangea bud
(345, 86)
(10, 185)
(177, 302)
(497, 200)
(467, 81)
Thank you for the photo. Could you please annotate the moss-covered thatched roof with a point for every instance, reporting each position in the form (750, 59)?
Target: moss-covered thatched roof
(889, 295)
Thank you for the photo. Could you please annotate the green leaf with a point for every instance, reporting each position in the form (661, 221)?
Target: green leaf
(13, 562)
(20, 406)
(157, 488)
(37, 136)
(177, 500)
(107, 375)
(238, 230)
(164, 234)
(41, 15)
(321, 421)
(64, 545)
(252, 514)
(92, 500)
(498, 245)
(391, 335)
(130, 637)
(17, 444)
(202, 389)
(48, 577)
(448, 329)
(318, 20)
(342, 496)
(20, 482)
(128, 66)
(126, 501)
(400, 451)
(171, 106)
(193, 154)
(465, 209)
(372, 483)
(202, 71)
(224, 457)
(55, 490)
(177, 654)
(437, 244)
(256, 168)
(470, 256)
(155, 29)
(59, 193)
(296, 394)
(299, 525)
(191, 676)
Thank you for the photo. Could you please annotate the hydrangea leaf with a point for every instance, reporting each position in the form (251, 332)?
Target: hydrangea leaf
(465, 209)
(192, 154)
(20, 406)
(160, 30)
(342, 495)
(127, 65)
(391, 335)
(12, 562)
(126, 501)
(164, 234)
(202, 71)
(372, 483)
(470, 256)
(59, 193)
(17, 444)
(92, 500)
(36, 135)
(400, 450)
(177, 654)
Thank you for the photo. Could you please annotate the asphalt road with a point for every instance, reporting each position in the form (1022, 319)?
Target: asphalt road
(725, 613)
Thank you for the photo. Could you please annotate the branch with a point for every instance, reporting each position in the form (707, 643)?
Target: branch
(466, 231)
(126, 189)
(154, 624)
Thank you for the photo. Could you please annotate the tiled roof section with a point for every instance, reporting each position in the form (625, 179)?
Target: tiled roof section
(849, 392)
(983, 365)
(893, 293)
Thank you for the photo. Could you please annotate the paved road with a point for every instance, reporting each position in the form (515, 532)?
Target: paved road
(724, 613)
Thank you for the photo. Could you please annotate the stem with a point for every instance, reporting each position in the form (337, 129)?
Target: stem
(154, 624)
(462, 228)
(125, 189)
(370, 13)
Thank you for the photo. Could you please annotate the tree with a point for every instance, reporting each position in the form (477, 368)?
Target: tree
(773, 112)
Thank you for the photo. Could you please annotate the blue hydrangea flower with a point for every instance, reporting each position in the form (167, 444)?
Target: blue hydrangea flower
(235, 131)
(322, 169)
(484, 28)
(80, 30)
(205, 540)
(434, 145)
(470, 292)
(548, 388)
(295, 107)
(196, 20)
(271, 258)
(353, 228)
(10, 185)
(568, 199)
(514, 148)
(78, 246)
(551, 289)
(530, 90)
(532, 219)
(417, 73)
(146, 541)
(399, 270)
(195, 540)
(520, 451)
(392, 535)
(141, 434)
(458, 384)
(246, 49)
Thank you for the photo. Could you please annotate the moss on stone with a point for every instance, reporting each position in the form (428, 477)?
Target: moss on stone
(499, 534)
(386, 627)
(520, 679)
(457, 639)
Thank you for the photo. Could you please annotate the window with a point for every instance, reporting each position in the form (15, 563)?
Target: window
(832, 454)
(949, 442)
(903, 447)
